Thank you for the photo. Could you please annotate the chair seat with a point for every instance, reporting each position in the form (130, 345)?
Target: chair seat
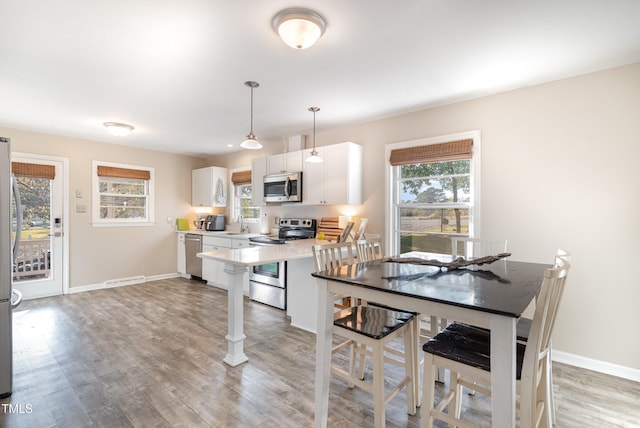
(372, 321)
(468, 345)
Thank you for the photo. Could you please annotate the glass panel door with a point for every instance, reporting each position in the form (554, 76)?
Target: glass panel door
(38, 268)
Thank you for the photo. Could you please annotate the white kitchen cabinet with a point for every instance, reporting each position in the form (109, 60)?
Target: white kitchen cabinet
(213, 270)
(285, 162)
(337, 179)
(302, 309)
(210, 268)
(258, 171)
(205, 187)
(182, 258)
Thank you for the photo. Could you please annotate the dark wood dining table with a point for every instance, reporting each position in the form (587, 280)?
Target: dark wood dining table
(492, 296)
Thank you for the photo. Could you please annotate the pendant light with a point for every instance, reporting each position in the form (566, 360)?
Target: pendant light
(251, 143)
(313, 157)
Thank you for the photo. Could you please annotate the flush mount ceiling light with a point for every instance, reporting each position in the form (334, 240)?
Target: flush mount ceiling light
(313, 157)
(299, 28)
(251, 143)
(118, 129)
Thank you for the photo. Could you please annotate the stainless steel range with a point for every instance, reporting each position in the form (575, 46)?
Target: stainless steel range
(268, 282)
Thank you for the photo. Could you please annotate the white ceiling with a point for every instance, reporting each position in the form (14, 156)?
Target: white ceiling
(175, 69)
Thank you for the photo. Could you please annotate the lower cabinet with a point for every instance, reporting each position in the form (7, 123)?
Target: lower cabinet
(182, 257)
(213, 270)
(302, 293)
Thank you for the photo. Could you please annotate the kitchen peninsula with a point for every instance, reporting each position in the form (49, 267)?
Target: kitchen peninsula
(237, 261)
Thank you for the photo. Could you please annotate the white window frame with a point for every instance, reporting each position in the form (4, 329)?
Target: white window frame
(235, 201)
(113, 222)
(392, 224)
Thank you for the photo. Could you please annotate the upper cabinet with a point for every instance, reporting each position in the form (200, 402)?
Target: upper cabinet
(258, 171)
(336, 180)
(209, 187)
(285, 162)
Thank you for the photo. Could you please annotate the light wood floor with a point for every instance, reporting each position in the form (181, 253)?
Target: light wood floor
(150, 355)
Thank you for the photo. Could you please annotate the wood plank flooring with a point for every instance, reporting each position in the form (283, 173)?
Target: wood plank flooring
(150, 355)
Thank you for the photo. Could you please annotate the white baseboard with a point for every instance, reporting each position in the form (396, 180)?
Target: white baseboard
(164, 276)
(596, 365)
(121, 282)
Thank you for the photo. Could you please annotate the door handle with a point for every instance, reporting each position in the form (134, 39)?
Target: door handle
(16, 303)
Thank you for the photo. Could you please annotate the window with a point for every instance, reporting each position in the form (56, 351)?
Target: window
(123, 195)
(433, 192)
(243, 197)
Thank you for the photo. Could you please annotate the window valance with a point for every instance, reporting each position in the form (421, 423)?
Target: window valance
(443, 152)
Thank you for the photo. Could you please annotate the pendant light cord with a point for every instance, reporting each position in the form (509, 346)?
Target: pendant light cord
(251, 132)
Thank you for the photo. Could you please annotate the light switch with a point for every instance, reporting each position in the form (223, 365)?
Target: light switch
(78, 193)
(81, 208)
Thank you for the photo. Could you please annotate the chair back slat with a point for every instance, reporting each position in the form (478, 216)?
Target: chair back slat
(369, 249)
(330, 256)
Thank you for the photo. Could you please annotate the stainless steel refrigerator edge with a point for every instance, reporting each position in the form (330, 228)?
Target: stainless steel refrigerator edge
(6, 269)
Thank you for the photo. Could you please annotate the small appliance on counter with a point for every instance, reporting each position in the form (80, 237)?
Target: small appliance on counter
(215, 222)
(199, 222)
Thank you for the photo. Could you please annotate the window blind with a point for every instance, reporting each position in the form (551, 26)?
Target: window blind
(443, 152)
(110, 171)
(241, 177)
(33, 170)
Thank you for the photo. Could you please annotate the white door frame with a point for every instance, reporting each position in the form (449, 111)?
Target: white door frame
(64, 162)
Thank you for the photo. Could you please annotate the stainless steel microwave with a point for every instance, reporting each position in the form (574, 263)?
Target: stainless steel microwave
(284, 187)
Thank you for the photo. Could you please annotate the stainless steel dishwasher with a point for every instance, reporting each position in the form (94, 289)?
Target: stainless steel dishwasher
(193, 246)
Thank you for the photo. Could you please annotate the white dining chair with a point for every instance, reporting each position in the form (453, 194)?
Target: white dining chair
(368, 332)
(334, 255)
(467, 247)
(369, 249)
(461, 246)
(522, 335)
(465, 351)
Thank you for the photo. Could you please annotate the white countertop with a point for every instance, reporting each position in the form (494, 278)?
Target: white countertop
(257, 255)
(221, 234)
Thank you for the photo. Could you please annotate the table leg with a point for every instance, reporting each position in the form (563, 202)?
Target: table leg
(323, 352)
(235, 337)
(503, 371)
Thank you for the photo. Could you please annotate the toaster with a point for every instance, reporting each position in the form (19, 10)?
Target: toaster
(214, 222)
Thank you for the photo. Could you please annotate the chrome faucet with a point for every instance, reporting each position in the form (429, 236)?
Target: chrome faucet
(243, 228)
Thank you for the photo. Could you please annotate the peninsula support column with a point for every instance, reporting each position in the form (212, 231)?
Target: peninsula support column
(235, 337)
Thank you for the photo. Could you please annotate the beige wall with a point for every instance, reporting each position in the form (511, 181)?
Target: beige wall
(559, 169)
(99, 254)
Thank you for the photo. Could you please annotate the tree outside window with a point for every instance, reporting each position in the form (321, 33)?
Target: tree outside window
(433, 192)
(244, 202)
(433, 205)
